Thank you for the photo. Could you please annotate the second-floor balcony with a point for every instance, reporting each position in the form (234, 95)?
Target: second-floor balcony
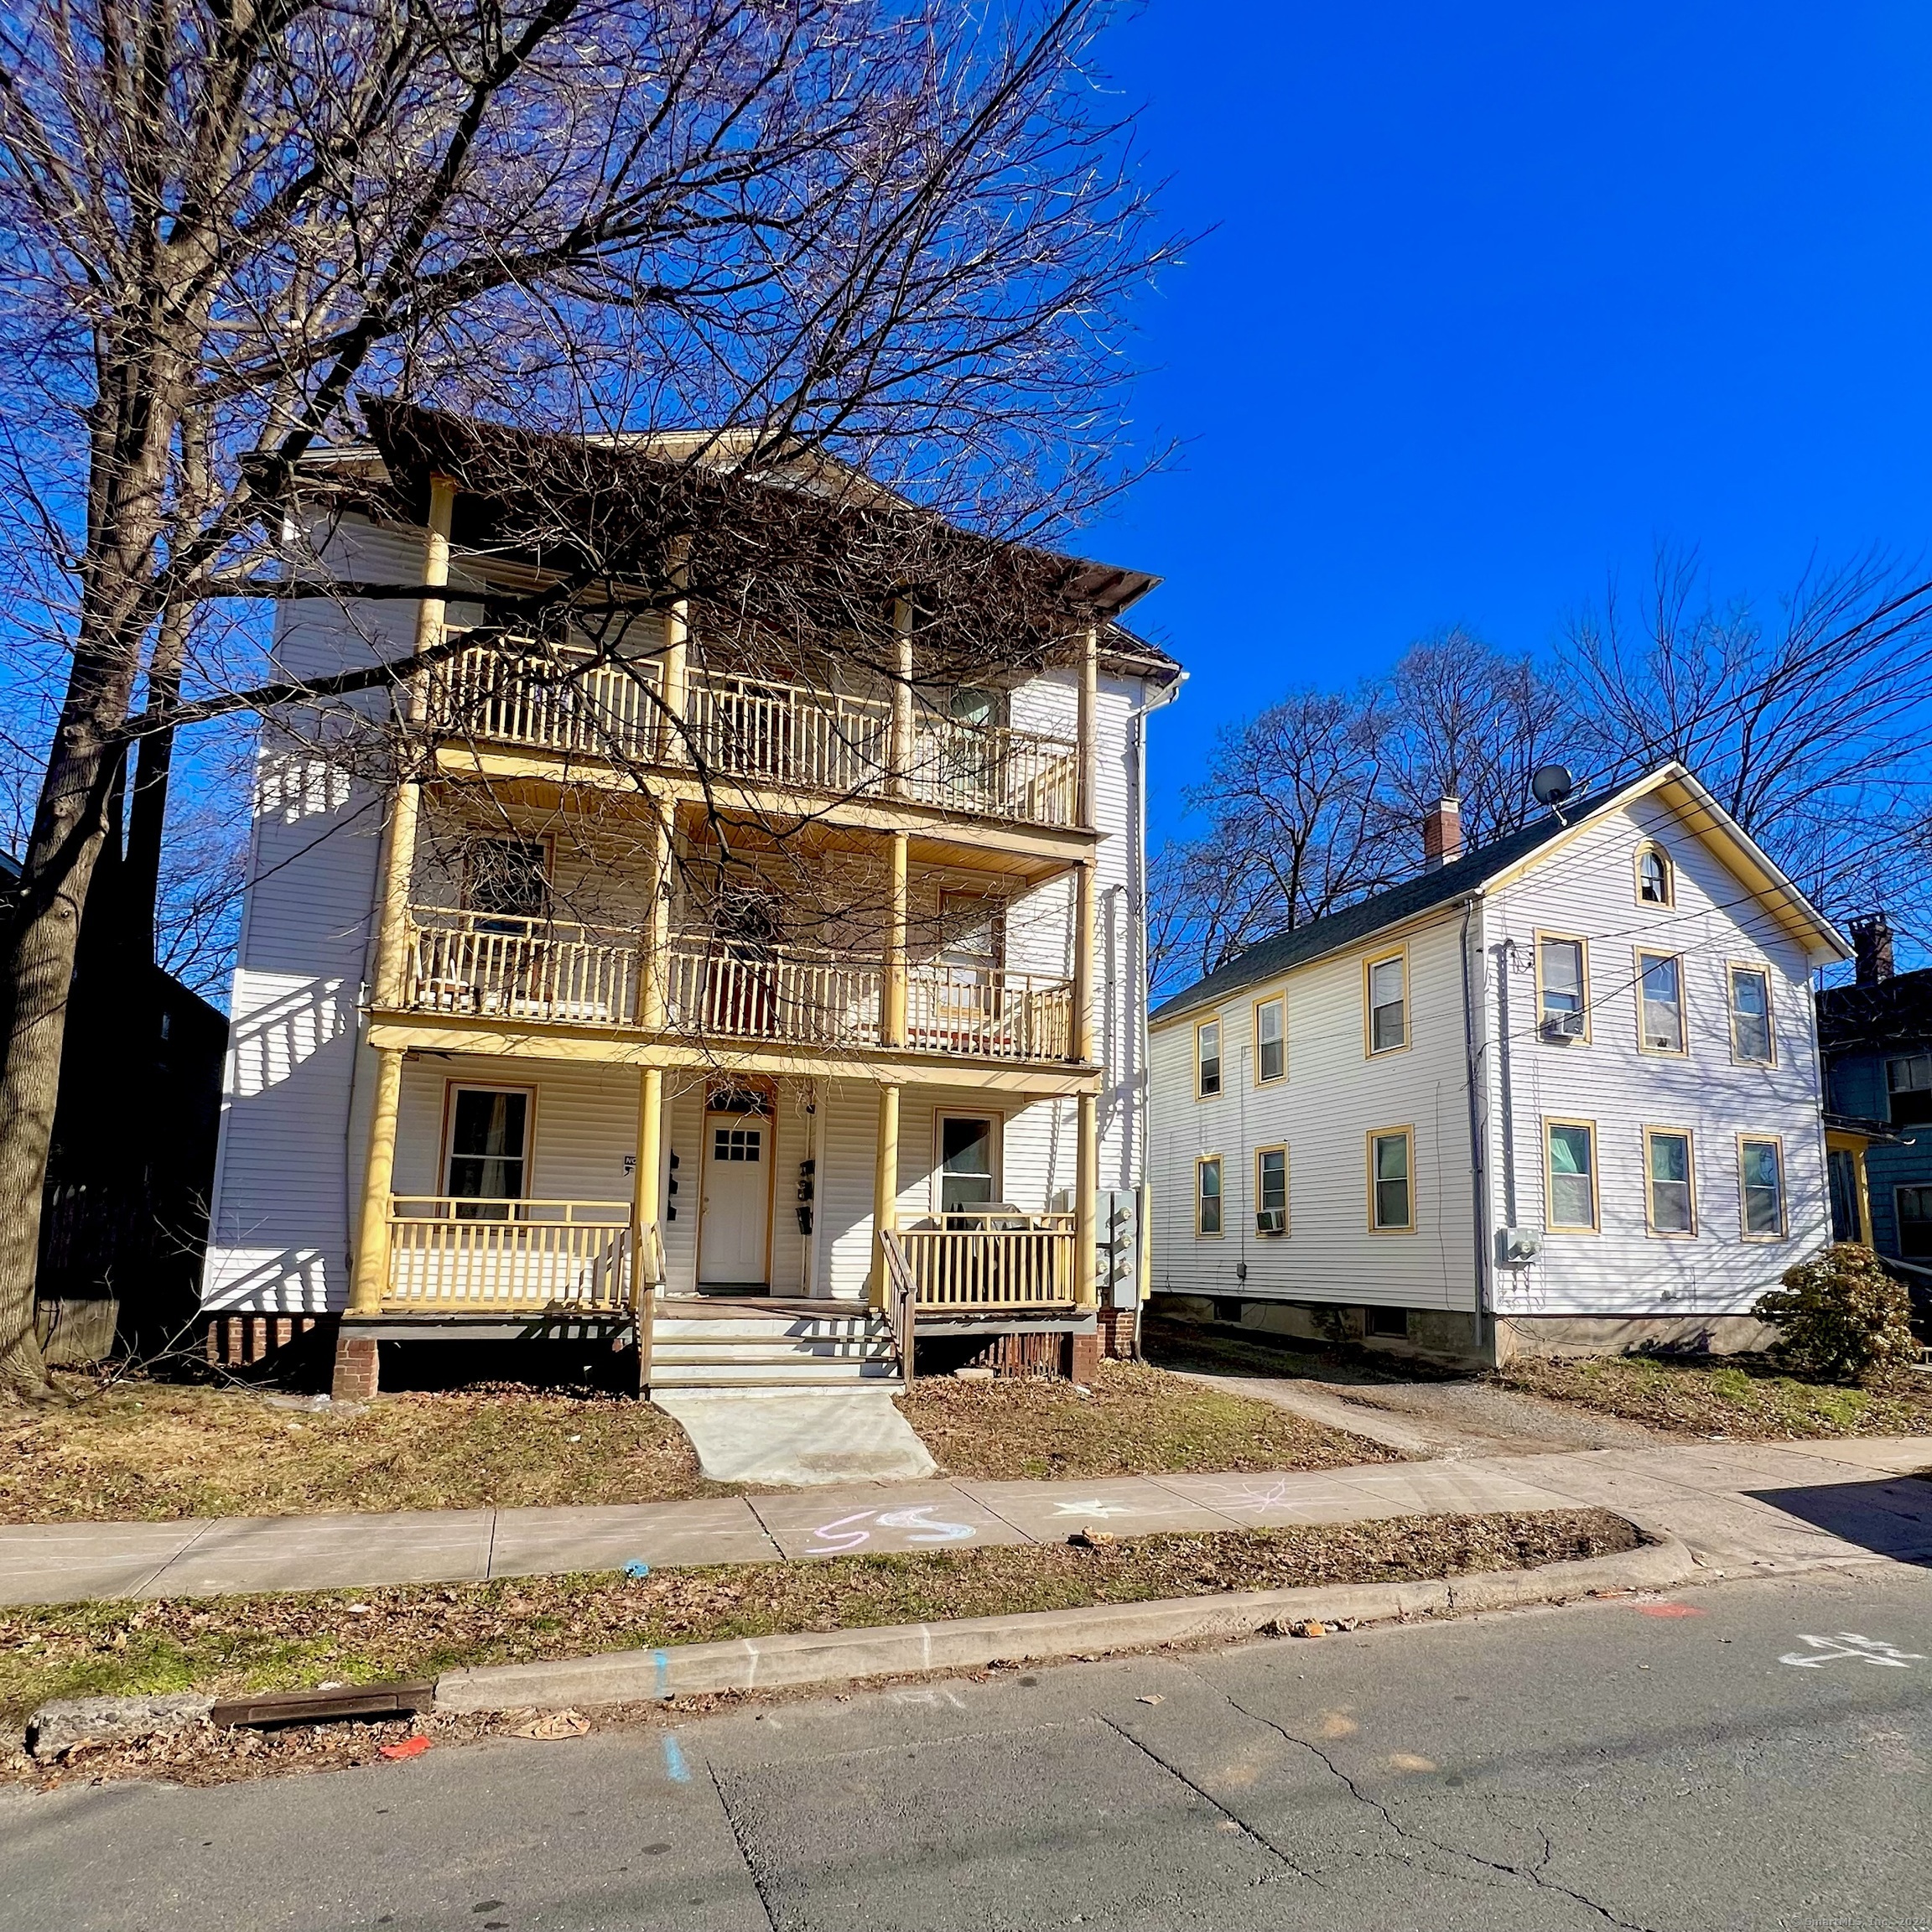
(755, 732)
(488, 966)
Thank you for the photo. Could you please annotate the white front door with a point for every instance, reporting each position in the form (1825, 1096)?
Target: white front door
(733, 1237)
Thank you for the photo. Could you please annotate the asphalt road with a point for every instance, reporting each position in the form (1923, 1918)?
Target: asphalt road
(1595, 1766)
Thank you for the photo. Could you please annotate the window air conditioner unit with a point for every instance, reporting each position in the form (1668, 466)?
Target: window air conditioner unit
(1563, 1026)
(1516, 1245)
(1271, 1221)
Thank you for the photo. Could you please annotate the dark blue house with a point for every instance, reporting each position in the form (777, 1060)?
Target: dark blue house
(1876, 1036)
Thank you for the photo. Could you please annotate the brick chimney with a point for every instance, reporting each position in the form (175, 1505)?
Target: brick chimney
(1871, 944)
(1442, 833)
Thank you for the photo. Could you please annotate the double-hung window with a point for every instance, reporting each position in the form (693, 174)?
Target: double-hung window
(1654, 885)
(1271, 1190)
(1915, 1206)
(1270, 1040)
(1562, 992)
(1208, 1195)
(1670, 1189)
(1761, 1181)
(1908, 1080)
(488, 1158)
(1391, 1181)
(1207, 1059)
(1660, 1003)
(1387, 984)
(1571, 1147)
(1750, 1015)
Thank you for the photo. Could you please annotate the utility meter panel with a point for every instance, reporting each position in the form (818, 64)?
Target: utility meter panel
(1118, 1235)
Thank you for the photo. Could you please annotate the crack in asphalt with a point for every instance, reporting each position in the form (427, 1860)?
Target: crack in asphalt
(744, 1850)
(1537, 1874)
(1260, 1838)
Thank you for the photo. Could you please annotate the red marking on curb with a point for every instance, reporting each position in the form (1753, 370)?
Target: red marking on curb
(1667, 1610)
(409, 1748)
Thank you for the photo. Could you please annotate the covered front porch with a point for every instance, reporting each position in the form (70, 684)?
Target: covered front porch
(518, 1196)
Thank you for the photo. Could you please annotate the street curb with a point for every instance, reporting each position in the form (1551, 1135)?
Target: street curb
(907, 1649)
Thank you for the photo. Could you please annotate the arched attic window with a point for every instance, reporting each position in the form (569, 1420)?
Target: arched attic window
(1656, 882)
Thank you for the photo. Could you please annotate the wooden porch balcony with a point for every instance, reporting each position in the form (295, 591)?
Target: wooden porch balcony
(767, 732)
(485, 965)
(479, 1257)
(991, 1261)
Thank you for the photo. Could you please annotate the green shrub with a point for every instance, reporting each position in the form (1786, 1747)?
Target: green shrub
(1841, 1317)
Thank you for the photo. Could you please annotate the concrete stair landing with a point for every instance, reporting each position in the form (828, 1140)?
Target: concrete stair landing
(805, 1346)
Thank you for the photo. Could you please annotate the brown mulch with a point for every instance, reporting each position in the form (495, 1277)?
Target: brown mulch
(1133, 1419)
(301, 1640)
(1749, 1397)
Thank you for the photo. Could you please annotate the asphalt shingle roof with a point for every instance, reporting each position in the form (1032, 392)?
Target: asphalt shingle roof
(1269, 958)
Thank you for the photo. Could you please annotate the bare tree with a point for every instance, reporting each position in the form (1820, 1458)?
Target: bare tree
(894, 235)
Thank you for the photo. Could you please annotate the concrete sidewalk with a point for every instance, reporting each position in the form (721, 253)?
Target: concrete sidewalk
(1740, 1506)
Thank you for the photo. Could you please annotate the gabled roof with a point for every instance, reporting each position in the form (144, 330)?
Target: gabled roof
(1896, 1013)
(1270, 958)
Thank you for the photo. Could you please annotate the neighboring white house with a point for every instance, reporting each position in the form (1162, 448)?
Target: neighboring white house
(1561, 1092)
(501, 1067)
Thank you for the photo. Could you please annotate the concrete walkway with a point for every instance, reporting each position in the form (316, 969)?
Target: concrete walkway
(1740, 1507)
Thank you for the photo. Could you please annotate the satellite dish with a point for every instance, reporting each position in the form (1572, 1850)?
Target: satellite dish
(1552, 785)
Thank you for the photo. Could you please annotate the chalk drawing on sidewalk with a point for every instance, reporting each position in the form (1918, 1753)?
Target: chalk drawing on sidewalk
(846, 1533)
(1849, 1647)
(1095, 1508)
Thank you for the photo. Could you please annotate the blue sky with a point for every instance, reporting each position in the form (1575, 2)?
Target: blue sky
(1498, 297)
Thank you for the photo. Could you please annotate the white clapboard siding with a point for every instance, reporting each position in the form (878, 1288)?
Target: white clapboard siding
(1587, 889)
(1335, 1096)
(300, 1078)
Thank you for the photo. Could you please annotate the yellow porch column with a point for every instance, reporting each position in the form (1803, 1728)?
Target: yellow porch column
(1084, 894)
(899, 779)
(646, 1211)
(1090, 725)
(1087, 1174)
(885, 1188)
(672, 746)
(378, 1183)
(654, 953)
(892, 999)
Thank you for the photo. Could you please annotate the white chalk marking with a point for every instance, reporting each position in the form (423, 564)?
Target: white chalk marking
(1853, 1648)
(1094, 1508)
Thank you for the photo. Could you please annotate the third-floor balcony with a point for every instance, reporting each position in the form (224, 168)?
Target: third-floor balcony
(757, 733)
(491, 967)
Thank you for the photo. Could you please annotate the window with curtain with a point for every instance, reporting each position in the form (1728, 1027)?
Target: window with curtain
(1388, 1004)
(1751, 1015)
(489, 1153)
(1559, 982)
(1661, 1001)
(1667, 1171)
(1572, 1174)
(1654, 882)
(965, 1163)
(1270, 1040)
(1762, 1176)
(1207, 1058)
(1207, 1196)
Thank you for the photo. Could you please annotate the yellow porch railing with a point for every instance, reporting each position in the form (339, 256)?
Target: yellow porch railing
(763, 730)
(979, 1260)
(519, 969)
(458, 1255)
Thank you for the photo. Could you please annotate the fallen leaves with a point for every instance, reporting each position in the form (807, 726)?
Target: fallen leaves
(554, 1724)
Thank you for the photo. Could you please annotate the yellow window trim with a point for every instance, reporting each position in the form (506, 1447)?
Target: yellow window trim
(1763, 972)
(1202, 1162)
(1279, 995)
(1641, 953)
(1783, 1231)
(1201, 1026)
(1690, 1139)
(1370, 961)
(1669, 899)
(1274, 1147)
(1595, 1222)
(1573, 939)
(1374, 1134)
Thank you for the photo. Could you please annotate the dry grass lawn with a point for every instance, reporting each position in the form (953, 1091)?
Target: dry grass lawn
(1746, 1396)
(296, 1641)
(155, 1451)
(1136, 1421)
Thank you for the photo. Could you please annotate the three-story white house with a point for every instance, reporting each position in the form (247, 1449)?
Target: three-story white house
(677, 974)
(1561, 1092)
